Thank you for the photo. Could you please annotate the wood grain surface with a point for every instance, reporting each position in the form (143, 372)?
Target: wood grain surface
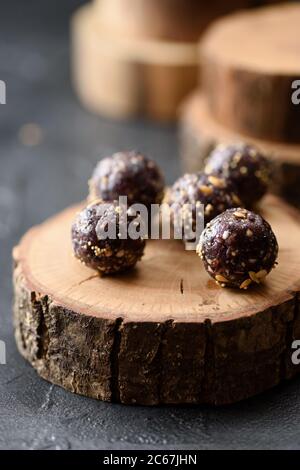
(162, 333)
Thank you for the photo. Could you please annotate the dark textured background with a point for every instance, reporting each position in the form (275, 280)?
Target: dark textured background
(38, 181)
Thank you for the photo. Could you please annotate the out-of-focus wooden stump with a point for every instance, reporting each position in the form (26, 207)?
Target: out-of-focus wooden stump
(139, 57)
(124, 77)
(249, 62)
(176, 20)
(200, 132)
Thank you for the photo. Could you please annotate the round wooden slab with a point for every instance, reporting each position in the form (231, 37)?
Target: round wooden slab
(162, 333)
(249, 62)
(200, 132)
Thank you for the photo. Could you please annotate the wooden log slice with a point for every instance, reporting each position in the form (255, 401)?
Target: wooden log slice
(249, 63)
(200, 133)
(162, 333)
(123, 77)
(175, 20)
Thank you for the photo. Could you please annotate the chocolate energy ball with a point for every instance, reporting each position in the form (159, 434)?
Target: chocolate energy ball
(113, 254)
(245, 167)
(128, 174)
(238, 248)
(216, 194)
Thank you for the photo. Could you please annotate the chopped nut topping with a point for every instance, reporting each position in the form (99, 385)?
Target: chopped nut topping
(245, 284)
(240, 214)
(221, 278)
(120, 254)
(237, 157)
(249, 233)
(261, 274)
(218, 182)
(243, 170)
(208, 169)
(207, 190)
(253, 276)
(225, 235)
(208, 209)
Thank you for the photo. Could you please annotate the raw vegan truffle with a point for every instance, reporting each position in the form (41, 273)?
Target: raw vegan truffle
(238, 248)
(128, 174)
(110, 255)
(245, 167)
(216, 195)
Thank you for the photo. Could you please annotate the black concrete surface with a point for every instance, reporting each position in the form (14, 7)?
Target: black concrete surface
(38, 181)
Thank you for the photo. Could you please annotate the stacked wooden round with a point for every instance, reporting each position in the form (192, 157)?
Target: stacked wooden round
(250, 76)
(139, 57)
